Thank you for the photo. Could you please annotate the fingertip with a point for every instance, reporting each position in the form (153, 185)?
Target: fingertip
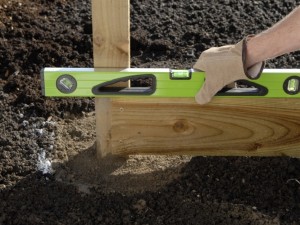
(201, 99)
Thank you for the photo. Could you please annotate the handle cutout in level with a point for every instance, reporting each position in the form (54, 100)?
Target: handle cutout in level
(244, 88)
(144, 84)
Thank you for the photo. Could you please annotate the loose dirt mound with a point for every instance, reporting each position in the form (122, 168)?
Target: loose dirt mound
(137, 189)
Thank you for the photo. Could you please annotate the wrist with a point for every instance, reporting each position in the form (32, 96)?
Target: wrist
(255, 52)
(253, 61)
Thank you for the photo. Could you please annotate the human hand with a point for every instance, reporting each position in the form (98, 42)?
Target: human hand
(222, 66)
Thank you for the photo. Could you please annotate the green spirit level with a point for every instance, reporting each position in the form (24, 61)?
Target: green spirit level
(90, 82)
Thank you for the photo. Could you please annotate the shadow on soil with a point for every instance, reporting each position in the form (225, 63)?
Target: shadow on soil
(225, 190)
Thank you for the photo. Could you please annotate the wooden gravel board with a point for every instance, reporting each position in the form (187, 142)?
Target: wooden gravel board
(231, 127)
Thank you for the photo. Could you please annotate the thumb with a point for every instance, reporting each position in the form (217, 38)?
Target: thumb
(205, 94)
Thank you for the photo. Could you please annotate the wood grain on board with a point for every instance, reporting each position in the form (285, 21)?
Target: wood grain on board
(224, 127)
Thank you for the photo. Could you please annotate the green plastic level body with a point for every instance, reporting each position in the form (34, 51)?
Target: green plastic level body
(153, 82)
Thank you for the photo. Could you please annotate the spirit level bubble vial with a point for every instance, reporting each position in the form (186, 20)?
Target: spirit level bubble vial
(66, 83)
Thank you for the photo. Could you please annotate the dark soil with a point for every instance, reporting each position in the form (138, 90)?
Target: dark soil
(165, 33)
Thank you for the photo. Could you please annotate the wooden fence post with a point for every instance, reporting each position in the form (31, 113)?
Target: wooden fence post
(111, 48)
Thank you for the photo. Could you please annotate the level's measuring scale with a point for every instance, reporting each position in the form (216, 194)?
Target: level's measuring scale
(90, 82)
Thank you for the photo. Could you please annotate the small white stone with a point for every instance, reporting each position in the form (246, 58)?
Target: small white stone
(25, 123)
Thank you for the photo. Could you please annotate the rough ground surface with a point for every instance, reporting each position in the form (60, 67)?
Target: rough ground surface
(139, 189)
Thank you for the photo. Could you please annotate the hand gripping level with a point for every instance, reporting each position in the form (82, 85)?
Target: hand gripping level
(153, 82)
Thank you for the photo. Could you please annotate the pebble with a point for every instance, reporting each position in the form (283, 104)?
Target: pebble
(2, 26)
(25, 123)
(140, 205)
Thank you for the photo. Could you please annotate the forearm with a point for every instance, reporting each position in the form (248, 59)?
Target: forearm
(282, 38)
